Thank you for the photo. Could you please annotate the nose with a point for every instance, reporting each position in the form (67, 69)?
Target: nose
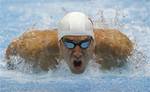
(77, 52)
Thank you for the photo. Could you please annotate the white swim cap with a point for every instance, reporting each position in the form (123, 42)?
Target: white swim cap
(75, 23)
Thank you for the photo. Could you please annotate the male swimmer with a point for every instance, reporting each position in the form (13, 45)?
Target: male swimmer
(75, 41)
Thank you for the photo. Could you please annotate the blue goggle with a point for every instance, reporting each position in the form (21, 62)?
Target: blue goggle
(72, 44)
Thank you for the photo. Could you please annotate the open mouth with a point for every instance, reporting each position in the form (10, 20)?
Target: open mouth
(77, 63)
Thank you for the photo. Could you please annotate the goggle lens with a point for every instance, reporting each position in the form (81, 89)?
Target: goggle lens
(69, 45)
(85, 45)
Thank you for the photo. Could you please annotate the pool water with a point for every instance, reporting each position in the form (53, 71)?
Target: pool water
(129, 16)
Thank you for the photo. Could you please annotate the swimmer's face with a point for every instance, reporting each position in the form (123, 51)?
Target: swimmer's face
(77, 52)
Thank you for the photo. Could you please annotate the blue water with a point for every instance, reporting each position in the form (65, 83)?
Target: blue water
(129, 16)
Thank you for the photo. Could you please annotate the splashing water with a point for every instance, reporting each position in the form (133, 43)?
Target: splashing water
(129, 16)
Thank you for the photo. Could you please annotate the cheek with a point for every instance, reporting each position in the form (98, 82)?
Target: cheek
(88, 54)
(66, 53)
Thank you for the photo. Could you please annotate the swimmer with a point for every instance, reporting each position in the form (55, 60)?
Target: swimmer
(75, 41)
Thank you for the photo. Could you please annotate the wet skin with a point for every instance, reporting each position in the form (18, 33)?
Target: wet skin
(77, 58)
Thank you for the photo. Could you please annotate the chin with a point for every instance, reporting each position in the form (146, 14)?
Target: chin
(75, 71)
